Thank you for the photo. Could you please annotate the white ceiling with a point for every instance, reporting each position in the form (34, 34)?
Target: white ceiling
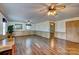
(36, 12)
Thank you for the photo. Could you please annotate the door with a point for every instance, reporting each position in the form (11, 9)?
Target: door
(52, 29)
(52, 34)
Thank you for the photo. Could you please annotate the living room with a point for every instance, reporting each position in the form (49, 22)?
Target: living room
(32, 26)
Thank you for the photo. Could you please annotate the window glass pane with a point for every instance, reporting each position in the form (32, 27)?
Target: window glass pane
(28, 27)
(4, 28)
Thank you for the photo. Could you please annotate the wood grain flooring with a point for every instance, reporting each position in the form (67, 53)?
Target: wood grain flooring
(25, 44)
(36, 45)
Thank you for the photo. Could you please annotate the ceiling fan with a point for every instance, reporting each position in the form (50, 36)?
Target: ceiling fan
(53, 8)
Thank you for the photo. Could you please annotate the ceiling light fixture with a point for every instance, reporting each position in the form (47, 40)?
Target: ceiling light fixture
(53, 8)
(52, 12)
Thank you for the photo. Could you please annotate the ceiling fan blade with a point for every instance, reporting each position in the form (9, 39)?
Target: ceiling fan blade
(41, 9)
(44, 11)
(49, 4)
(52, 5)
(45, 4)
(59, 7)
(40, 5)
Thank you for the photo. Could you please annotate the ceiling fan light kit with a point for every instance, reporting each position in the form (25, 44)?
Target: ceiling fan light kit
(52, 9)
(52, 12)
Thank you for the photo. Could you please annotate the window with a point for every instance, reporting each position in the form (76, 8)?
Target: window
(28, 26)
(18, 26)
(4, 26)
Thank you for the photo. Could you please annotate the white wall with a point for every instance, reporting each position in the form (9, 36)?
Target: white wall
(43, 29)
(1, 24)
(24, 30)
(43, 26)
(60, 27)
(23, 26)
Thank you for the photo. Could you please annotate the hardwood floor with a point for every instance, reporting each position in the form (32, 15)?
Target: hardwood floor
(36, 45)
(66, 47)
(25, 44)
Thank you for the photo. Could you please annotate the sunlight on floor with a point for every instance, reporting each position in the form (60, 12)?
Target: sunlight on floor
(28, 46)
(52, 43)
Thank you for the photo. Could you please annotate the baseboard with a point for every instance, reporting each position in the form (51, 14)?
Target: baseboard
(41, 36)
(66, 40)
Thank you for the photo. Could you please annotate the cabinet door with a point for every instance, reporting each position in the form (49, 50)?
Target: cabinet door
(13, 49)
(7, 52)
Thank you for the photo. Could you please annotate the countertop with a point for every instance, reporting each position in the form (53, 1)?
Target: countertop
(7, 46)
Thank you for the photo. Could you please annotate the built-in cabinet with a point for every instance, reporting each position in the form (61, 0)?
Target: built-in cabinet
(11, 51)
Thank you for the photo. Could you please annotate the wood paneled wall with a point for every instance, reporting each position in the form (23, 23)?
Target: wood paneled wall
(72, 31)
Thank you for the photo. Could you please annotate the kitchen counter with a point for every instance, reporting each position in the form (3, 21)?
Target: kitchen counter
(7, 46)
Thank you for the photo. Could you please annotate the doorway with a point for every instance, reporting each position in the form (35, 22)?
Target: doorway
(52, 34)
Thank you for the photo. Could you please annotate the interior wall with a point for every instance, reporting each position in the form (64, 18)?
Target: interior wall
(73, 30)
(22, 31)
(43, 29)
(23, 26)
(1, 24)
(60, 28)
